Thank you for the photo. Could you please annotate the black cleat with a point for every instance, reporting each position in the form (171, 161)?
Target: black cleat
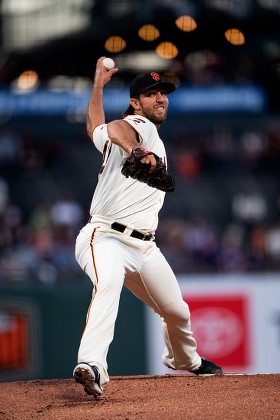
(89, 377)
(208, 368)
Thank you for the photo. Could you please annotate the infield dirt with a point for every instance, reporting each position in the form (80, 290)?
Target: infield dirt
(146, 397)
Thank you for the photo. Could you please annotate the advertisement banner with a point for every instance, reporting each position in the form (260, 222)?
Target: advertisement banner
(19, 339)
(235, 320)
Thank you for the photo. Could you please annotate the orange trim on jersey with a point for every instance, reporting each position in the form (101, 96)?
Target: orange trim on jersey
(96, 275)
(137, 132)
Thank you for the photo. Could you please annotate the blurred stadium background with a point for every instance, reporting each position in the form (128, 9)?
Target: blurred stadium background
(223, 139)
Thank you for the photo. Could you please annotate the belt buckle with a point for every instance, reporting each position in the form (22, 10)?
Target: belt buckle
(143, 236)
(147, 235)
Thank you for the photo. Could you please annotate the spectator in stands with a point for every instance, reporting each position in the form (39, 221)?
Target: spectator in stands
(66, 213)
(253, 146)
(40, 217)
(171, 243)
(249, 207)
(256, 249)
(232, 257)
(272, 245)
(201, 242)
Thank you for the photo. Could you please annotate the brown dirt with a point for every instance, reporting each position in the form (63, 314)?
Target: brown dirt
(146, 397)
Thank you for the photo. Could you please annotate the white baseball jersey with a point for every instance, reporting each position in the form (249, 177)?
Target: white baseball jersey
(122, 199)
(112, 259)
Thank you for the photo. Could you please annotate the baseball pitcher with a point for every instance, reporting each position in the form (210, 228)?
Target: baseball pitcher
(117, 246)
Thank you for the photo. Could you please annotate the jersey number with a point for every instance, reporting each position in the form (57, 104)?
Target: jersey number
(106, 154)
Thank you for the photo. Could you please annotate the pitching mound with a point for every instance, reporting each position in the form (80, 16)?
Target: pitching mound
(145, 397)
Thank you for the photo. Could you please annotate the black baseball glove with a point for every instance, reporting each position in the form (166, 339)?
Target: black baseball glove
(135, 169)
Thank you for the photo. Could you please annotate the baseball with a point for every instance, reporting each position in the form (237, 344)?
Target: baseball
(108, 63)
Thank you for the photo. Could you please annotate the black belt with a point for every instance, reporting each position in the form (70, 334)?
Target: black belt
(135, 233)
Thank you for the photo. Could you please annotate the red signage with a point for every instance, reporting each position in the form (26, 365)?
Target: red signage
(221, 327)
(14, 340)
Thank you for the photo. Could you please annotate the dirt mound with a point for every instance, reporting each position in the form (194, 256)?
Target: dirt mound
(145, 397)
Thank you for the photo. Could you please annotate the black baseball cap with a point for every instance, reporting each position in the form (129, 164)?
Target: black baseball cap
(149, 80)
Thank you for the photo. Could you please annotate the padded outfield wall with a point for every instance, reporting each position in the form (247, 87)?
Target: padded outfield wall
(236, 320)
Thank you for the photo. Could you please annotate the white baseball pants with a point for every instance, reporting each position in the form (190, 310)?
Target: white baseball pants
(111, 260)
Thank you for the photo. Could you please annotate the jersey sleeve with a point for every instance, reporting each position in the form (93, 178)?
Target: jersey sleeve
(100, 137)
(143, 127)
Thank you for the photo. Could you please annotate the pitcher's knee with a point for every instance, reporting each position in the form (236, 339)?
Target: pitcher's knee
(178, 312)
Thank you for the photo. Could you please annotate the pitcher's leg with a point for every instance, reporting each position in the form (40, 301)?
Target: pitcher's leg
(101, 317)
(103, 262)
(161, 284)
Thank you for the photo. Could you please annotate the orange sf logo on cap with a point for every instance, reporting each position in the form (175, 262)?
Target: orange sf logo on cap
(155, 76)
